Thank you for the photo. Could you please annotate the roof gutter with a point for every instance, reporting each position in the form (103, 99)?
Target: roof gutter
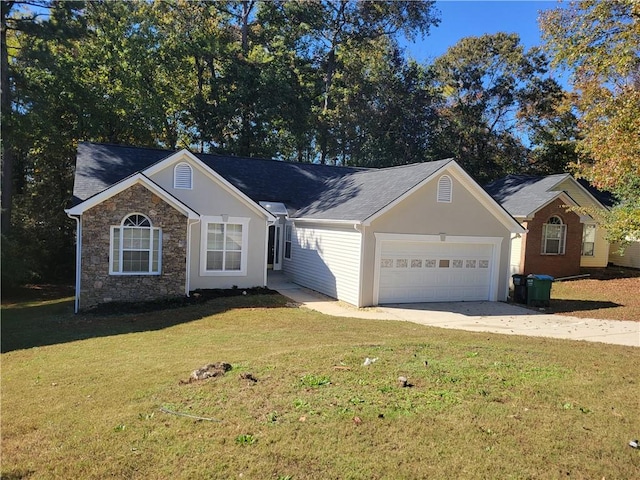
(324, 220)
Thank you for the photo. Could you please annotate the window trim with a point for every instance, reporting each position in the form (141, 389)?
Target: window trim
(288, 236)
(584, 231)
(154, 232)
(445, 189)
(189, 184)
(562, 239)
(244, 251)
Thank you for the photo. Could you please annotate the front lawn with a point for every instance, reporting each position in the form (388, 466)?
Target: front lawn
(611, 293)
(99, 396)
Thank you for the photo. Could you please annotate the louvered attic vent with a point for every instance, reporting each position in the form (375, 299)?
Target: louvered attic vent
(183, 176)
(444, 189)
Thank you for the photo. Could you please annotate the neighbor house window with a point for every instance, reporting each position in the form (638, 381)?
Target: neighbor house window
(444, 189)
(554, 234)
(287, 241)
(588, 240)
(135, 247)
(183, 176)
(225, 245)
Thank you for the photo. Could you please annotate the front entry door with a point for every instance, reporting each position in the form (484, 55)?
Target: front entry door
(275, 247)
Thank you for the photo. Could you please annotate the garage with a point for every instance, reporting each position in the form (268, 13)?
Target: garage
(412, 270)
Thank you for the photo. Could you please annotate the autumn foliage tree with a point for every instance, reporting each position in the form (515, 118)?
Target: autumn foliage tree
(599, 42)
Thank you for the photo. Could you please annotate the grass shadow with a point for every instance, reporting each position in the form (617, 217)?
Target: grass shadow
(16, 474)
(559, 305)
(608, 273)
(50, 322)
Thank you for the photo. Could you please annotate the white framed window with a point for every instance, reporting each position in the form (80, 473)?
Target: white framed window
(183, 176)
(287, 241)
(445, 189)
(588, 240)
(554, 236)
(224, 244)
(135, 247)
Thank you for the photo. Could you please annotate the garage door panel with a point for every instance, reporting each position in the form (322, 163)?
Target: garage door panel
(434, 272)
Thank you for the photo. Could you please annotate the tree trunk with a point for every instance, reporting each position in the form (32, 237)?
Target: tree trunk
(7, 148)
(324, 127)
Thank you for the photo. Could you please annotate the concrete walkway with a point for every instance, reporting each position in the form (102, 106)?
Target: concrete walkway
(494, 317)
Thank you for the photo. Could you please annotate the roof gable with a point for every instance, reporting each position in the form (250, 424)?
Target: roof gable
(126, 183)
(188, 157)
(582, 192)
(524, 195)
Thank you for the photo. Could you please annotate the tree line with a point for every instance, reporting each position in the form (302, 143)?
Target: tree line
(306, 81)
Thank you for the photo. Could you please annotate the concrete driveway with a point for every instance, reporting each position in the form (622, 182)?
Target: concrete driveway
(494, 317)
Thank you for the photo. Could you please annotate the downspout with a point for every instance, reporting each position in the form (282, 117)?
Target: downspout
(76, 306)
(358, 227)
(187, 281)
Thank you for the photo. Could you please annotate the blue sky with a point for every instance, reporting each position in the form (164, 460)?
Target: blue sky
(461, 19)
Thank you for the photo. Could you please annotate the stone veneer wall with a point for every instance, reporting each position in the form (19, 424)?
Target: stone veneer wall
(97, 286)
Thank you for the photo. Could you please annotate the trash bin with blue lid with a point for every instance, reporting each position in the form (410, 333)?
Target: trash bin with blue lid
(519, 288)
(539, 290)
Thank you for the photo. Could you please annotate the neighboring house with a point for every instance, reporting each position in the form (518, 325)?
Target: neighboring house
(154, 223)
(629, 257)
(558, 241)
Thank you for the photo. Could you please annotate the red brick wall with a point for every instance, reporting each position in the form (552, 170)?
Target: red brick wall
(554, 265)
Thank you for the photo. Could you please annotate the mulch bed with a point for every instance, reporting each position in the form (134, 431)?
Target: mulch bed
(45, 292)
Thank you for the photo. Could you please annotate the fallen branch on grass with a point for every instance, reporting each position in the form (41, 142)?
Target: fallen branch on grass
(195, 417)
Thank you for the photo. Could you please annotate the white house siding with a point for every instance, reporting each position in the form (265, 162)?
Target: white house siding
(516, 255)
(630, 257)
(326, 258)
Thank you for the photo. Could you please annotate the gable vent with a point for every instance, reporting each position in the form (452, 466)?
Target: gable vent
(183, 176)
(444, 189)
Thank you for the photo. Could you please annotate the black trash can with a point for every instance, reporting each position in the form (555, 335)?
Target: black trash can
(519, 288)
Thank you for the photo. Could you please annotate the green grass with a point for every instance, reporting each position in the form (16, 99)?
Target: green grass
(87, 397)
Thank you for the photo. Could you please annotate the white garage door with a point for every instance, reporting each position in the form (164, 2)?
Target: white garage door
(417, 271)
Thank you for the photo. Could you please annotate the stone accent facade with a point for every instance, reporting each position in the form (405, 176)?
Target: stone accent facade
(97, 285)
(554, 265)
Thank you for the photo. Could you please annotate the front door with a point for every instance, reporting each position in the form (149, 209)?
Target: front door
(274, 258)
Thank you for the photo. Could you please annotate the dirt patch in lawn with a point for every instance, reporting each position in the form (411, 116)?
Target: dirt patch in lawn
(611, 293)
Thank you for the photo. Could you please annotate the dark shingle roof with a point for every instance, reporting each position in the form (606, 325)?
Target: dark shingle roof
(521, 195)
(310, 190)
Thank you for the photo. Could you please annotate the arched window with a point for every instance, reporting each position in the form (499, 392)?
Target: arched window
(183, 176)
(445, 189)
(554, 235)
(135, 247)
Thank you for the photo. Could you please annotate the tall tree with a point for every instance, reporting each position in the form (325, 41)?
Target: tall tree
(485, 81)
(332, 26)
(548, 119)
(384, 112)
(598, 41)
(41, 126)
(6, 121)
(23, 23)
